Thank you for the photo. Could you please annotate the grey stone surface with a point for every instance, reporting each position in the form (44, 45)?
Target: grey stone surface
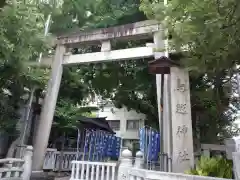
(63, 178)
(42, 176)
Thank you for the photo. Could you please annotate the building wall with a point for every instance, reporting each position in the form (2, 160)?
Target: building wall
(128, 129)
(237, 122)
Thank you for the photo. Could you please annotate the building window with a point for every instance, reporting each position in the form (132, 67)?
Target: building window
(133, 124)
(114, 124)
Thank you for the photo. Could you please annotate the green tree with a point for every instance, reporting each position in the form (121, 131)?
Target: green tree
(130, 84)
(73, 15)
(208, 30)
(18, 22)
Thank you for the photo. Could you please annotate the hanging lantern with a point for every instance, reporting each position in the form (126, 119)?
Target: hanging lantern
(161, 65)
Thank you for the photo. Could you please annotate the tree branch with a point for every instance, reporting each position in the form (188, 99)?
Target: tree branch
(231, 24)
(234, 10)
(218, 7)
(230, 19)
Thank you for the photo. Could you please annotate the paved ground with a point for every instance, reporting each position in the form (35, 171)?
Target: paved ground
(63, 178)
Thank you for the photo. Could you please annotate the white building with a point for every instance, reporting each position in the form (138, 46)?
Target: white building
(125, 123)
(237, 121)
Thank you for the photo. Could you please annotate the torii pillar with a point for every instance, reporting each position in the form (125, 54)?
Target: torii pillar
(49, 104)
(102, 37)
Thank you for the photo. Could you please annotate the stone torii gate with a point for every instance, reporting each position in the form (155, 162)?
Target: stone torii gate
(176, 123)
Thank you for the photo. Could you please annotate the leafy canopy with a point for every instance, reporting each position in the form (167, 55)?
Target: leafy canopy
(130, 84)
(125, 83)
(21, 27)
(208, 29)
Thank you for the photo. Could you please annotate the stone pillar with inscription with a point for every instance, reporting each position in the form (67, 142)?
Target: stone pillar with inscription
(177, 123)
(182, 137)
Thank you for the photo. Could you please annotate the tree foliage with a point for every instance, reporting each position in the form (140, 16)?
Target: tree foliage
(130, 84)
(18, 22)
(209, 30)
(214, 167)
(77, 83)
(75, 15)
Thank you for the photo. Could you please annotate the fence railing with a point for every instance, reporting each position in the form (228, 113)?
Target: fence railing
(93, 170)
(236, 164)
(142, 174)
(17, 169)
(11, 168)
(60, 160)
(50, 158)
(128, 169)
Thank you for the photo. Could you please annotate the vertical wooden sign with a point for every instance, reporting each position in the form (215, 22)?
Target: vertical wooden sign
(182, 139)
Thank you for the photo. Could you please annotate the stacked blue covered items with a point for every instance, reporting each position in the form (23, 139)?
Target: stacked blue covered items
(109, 146)
(86, 144)
(142, 139)
(154, 146)
(150, 137)
(112, 146)
(157, 149)
(113, 151)
(92, 146)
(116, 147)
(101, 146)
(149, 143)
(105, 145)
(97, 145)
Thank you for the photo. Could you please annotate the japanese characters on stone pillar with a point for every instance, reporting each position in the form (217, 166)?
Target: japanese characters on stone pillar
(182, 139)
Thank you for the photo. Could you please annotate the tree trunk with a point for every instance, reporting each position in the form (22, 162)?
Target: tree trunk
(36, 111)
